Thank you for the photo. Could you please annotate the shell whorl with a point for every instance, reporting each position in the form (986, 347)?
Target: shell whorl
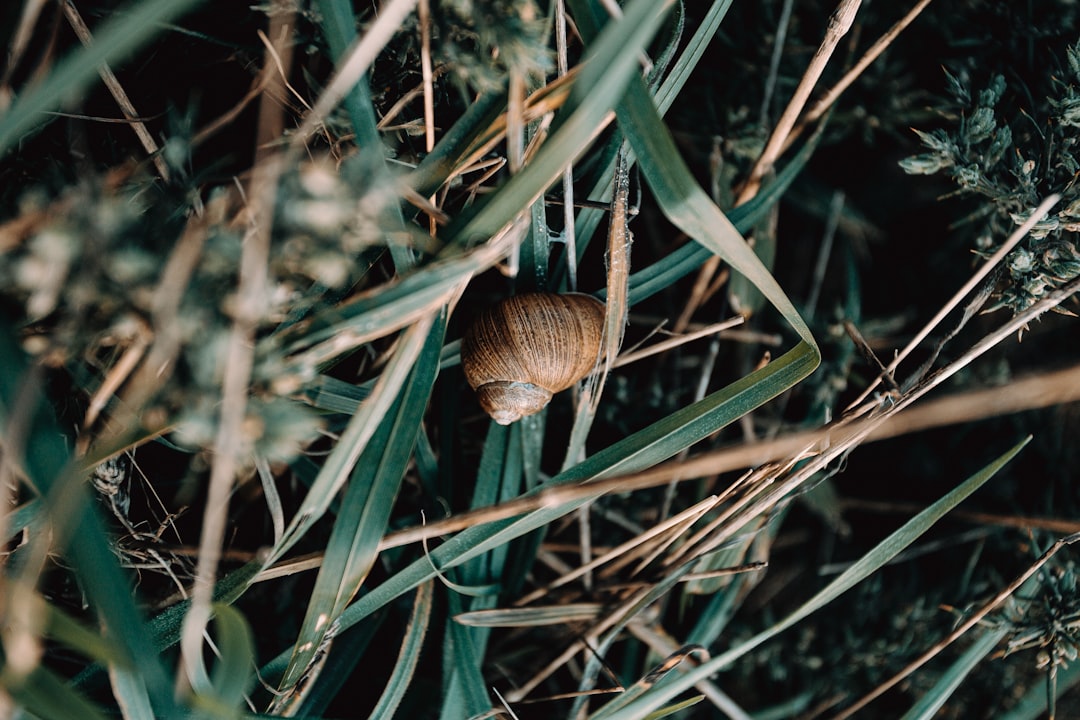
(521, 351)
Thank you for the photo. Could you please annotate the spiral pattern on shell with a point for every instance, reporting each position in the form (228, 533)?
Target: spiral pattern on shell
(521, 351)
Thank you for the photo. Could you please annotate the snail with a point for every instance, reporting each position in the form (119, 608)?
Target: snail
(523, 350)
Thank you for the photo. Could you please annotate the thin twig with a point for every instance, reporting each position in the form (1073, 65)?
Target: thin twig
(839, 24)
(969, 623)
(240, 349)
(424, 16)
(820, 107)
(958, 297)
(117, 91)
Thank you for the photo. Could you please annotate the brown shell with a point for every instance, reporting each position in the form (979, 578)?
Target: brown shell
(542, 340)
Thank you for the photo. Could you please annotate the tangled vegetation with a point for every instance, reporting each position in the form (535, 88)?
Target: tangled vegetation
(244, 475)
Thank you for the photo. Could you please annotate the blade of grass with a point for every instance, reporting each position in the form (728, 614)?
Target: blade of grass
(869, 563)
(335, 331)
(934, 698)
(499, 477)
(334, 472)
(130, 693)
(464, 690)
(339, 27)
(48, 697)
(365, 508)
(408, 655)
(345, 654)
(232, 673)
(588, 219)
(676, 191)
(688, 258)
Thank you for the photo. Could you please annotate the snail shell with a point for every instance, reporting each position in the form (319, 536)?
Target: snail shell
(520, 352)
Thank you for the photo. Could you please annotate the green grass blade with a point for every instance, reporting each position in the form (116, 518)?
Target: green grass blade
(676, 707)
(499, 477)
(130, 693)
(688, 207)
(113, 41)
(354, 439)
(232, 673)
(869, 563)
(83, 539)
(339, 28)
(936, 697)
(365, 508)
(688, 258)
(46, 696)
(87, 641)
(680, 197)
(691, 55)
(346, 652)
(464, 689)
(334, 395)
(531, 616)
(335, 331)
(408, 656)
(27, 515)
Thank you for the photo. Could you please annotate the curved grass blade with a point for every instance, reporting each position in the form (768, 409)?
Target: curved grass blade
(688, 258)
(869, 563)
(676, 191)
(116, 39)
(232, 673)
(464, 690)
(130, 693)
(689, 208)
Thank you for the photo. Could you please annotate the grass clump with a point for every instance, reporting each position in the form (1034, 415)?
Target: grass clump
(242, 472)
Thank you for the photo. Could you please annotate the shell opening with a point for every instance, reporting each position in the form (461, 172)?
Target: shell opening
(507, 401)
